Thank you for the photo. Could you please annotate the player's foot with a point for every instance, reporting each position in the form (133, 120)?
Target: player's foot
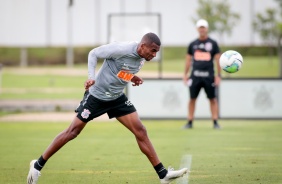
(188, 126)
(33, 173)
(172, 175)
(216, 126)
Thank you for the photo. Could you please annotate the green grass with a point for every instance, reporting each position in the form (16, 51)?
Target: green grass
(44, 83)
(246, 152)
(41, 86)
(30, 86)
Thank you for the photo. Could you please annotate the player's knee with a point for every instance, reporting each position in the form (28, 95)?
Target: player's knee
(213, 100)
(72, 134)
(141, 132)
(192, 101)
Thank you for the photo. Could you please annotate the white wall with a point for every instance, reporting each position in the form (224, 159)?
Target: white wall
(238, 98)
(45, 22)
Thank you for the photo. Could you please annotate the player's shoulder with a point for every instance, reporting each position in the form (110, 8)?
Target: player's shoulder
(212, 40)
(125, 47)
(194, 41)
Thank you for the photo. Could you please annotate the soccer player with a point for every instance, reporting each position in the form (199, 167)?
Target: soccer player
(104, 94)
(201, 54)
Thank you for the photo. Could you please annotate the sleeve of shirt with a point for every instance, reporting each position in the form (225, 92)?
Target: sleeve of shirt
(216, 48)
(190, 50)
(108, 51)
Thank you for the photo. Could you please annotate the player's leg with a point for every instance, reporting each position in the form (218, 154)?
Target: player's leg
(133, 123)
(194, 89)
(124, 111)
(60, 140)
(83, 116)
(214, 108)
(210, 91)
(191, 108)
(65, 136)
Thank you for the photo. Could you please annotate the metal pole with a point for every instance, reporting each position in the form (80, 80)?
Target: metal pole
(98, 22)
(23, 59)
(69, 34)
(1, 78)
(252, 12)
(161, 52)
(122, 23)
(148, 6)
(48, 23)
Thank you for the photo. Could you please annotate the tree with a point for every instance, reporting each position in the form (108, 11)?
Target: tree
(269, 26)
(219, 16)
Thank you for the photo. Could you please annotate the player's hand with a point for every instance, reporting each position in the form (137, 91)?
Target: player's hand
(185, 80)
(136, 81)
(217, 80)
(88, 83)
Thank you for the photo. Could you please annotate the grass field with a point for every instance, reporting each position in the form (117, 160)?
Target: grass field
(246, 152)
(63, 83)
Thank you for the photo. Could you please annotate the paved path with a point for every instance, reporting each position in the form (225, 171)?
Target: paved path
(40, 110)
(38, 105)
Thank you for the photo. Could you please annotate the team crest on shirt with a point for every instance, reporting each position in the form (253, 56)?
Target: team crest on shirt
(85, 114)
(208, 46)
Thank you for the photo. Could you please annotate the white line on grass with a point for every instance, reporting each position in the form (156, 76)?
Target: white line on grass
(186, 161)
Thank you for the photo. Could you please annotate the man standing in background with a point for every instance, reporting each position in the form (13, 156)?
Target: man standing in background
(201, 54)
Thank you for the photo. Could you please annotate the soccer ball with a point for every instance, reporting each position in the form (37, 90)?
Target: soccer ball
(231, 61)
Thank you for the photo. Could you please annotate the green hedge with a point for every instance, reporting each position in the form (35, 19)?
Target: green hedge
(57, 55)
(180, 52)
(252, 51)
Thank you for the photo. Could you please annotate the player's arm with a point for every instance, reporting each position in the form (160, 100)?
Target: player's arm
(187, 68)
(218, 76)
(102, 52)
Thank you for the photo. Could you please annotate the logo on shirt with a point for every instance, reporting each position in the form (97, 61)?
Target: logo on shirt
(124, 75)
(201, 46)
(125, 66)
(208, 46)
(202, 56)
(108, 94)
(85, 114)
(141, 64)
(198, 73)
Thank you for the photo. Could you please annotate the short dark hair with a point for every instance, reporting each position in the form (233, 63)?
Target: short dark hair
(150, 38)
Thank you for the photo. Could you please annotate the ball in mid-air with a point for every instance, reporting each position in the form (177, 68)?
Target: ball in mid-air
(231, 61)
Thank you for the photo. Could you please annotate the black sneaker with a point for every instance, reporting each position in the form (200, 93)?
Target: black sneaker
(216, 126)
(188, 126)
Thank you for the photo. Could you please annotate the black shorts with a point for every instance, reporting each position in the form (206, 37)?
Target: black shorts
(196, 83)
(91, 107)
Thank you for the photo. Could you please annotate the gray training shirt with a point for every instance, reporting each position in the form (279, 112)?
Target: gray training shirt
(118, 56)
